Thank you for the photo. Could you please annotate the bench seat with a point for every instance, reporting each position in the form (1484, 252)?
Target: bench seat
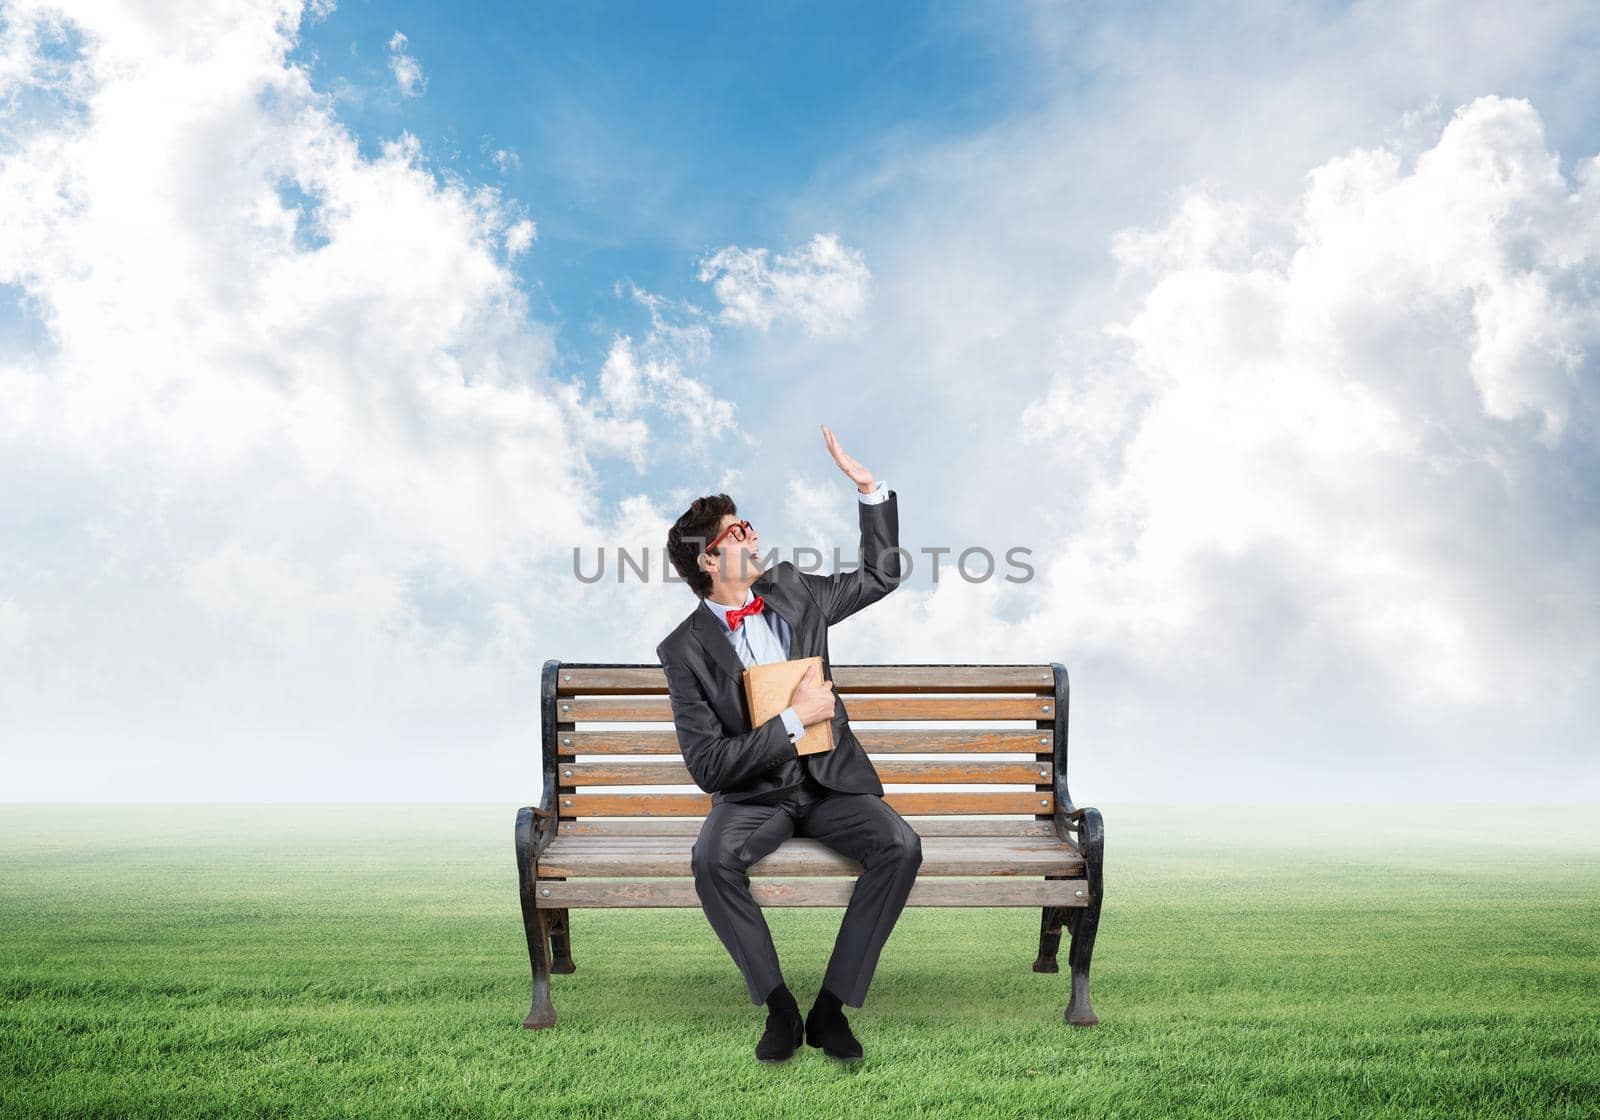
(995, 859)
(611, 856)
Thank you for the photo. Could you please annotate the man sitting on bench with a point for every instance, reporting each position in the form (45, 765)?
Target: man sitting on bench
(762, 790)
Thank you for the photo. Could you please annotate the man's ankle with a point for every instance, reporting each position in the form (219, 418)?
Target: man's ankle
(827, 1001)
(782, 999)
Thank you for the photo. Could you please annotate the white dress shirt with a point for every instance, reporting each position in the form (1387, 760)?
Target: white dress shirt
(757, 642)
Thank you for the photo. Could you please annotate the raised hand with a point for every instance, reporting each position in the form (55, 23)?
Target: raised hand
(858, 474)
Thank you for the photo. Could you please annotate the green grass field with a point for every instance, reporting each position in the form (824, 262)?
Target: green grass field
(170, 961)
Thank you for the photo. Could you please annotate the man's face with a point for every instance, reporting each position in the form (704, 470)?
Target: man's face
(738, 558)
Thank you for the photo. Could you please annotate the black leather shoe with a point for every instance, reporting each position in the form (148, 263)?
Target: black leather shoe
(830, 1031)
(782, 1037)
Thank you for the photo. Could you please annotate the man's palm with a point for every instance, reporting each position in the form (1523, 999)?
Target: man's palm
(858, 474)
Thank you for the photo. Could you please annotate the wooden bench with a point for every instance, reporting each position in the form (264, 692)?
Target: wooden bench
(584, 845)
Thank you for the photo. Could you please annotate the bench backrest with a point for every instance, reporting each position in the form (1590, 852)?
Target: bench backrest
(610, 751)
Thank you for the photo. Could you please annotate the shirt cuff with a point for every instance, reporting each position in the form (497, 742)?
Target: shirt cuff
(879, 493)
(791, 720)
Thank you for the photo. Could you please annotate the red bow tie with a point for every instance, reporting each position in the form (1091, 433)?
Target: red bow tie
(739, 614)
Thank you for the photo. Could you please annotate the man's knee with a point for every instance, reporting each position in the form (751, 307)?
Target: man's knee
(713, 855)
(906, 847)
(699, 858)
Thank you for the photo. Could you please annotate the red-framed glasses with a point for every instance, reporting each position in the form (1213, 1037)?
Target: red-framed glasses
(739, 531)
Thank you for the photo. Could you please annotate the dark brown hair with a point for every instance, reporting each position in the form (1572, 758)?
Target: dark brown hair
(687, 539)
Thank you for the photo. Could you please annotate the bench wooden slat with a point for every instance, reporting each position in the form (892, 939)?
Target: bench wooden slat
(617, 680)
(652, 710)
(886, 740)
(699, 804)
(581, 893)
(626, 856)
(925, 826)
(904, 771)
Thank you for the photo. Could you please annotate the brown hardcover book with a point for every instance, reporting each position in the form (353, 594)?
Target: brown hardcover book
(768, 688)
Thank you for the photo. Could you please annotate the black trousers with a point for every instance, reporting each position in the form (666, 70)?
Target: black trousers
(861, 826)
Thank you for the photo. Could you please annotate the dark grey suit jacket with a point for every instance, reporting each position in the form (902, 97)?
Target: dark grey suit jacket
(705, 677)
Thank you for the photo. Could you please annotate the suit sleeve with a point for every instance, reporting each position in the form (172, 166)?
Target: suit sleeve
(716, 761)
(844, 593)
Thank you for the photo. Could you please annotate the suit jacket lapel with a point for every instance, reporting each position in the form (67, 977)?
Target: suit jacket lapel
(715, 642)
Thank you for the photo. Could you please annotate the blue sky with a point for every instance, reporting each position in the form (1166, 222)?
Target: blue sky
(650, 135)
(326, 335)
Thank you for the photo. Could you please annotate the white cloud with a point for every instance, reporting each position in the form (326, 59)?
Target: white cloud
(628, 382)
(815, 512)
(1336, 452)
(519, 237)
(407, 71)
(651, 374)
(506, 160)
(688, 338)
(298, 483)
(824, 285)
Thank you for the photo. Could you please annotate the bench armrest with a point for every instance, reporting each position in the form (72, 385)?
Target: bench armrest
(545, 817)
(1072, 824)
(536, 825)
(1080, 827)
(1085, 830)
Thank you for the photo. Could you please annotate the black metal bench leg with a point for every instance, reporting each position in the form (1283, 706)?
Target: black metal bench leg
(1084, 923)
(1050, 920)
(541, 1013)
(560, 943)
(536, 924)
